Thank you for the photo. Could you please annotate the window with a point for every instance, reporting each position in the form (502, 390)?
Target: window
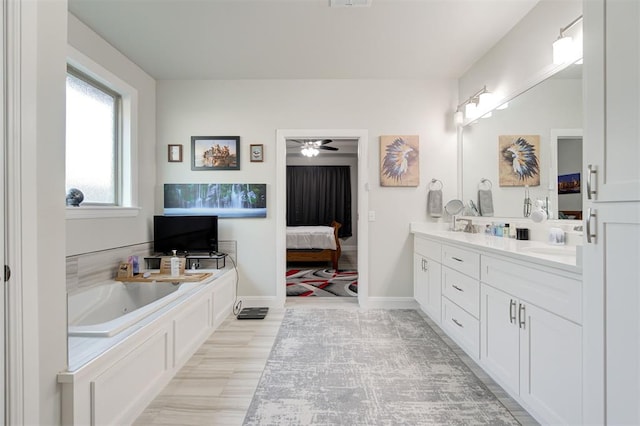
(93, 140)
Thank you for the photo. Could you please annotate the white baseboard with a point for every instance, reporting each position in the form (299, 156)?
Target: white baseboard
(256, 301)
(391, 303)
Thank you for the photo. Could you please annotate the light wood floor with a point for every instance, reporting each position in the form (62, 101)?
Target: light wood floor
(217, 384)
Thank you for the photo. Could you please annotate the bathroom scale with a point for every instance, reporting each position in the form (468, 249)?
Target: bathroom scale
(253, 313)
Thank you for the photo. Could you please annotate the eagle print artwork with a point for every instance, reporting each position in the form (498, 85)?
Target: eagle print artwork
(519, 163)
(399, 161)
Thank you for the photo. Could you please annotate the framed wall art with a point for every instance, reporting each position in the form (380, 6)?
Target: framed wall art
(215, 153)
(257, 153)
(175, 154)
(225, 200)
(519, 160)
(399, 160)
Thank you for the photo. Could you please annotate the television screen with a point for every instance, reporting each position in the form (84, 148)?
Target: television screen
(186, 234)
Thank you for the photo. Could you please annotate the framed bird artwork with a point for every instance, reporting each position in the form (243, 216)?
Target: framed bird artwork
(399, 160)
(519, 160)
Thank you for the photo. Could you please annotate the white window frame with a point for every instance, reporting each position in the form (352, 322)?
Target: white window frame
(128, 176)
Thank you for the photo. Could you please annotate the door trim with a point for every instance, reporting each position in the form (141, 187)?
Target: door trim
(362, 135)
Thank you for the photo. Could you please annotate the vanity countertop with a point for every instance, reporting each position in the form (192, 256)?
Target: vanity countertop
(561, 257)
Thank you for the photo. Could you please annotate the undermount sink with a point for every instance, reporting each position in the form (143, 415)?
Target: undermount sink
(551, 250)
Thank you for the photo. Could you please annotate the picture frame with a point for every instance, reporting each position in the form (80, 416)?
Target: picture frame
(256, 153)
(215, 153)
(175, 154)
(400, 150)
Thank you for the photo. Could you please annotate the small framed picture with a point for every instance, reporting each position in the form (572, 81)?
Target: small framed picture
(215, 153)
(175, 153)
(257, 153)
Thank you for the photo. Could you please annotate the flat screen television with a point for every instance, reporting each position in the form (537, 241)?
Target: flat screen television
(186, 234)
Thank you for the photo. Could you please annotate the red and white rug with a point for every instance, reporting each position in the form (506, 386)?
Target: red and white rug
(322, 282)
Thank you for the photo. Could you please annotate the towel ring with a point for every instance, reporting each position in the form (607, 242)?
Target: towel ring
(433, 183)
(484, 181)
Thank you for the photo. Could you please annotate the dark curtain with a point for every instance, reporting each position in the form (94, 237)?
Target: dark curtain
(318, 195)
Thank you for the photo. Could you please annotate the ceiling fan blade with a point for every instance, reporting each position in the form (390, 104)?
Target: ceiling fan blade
(328, 148)
(325, 141)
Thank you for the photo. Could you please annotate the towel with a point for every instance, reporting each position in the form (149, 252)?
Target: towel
(485, 202)
(434, 203)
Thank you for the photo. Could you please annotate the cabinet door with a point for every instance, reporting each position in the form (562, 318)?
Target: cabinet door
(426, 286)
(499, 334)
(550, 365)
(433, 302)
(612, 315)
(612, 97)
(420, 279)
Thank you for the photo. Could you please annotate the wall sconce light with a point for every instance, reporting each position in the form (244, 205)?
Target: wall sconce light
(563, 48)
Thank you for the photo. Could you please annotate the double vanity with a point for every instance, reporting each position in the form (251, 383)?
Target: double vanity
(515, 307)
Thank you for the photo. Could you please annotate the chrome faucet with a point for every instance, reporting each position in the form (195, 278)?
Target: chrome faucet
(468, 227)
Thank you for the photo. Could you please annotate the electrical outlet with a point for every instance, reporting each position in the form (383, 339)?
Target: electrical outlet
(372, 216)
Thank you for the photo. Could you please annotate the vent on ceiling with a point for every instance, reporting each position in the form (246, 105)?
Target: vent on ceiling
(350, 3)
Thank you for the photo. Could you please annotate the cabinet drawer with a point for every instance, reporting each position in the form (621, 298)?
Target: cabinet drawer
(461, 260)
(427, 248)
(461, 289)
(461, 327)
(548, 289)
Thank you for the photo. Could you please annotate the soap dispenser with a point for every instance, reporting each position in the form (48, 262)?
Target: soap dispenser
(175, 264)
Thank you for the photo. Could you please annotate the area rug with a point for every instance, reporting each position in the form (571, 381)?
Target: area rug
(322, 282)
(373, 367)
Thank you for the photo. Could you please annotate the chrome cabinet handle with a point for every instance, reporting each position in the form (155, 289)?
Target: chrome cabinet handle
(522, 313)
(456, 287)
(512, 311)
(591, 236)
(591, 170)
(457, 323)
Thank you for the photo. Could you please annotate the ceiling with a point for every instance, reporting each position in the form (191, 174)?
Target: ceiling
(301, 39)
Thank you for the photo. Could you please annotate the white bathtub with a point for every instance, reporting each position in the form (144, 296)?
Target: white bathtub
(106, 310)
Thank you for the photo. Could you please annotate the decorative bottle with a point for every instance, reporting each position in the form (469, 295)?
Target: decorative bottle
(175, 265)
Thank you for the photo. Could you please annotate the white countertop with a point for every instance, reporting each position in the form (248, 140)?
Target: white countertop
(564, 257)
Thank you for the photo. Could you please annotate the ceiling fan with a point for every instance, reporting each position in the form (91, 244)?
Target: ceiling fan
(311, 147)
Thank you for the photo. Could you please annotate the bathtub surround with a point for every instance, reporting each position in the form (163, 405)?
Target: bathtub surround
(90, 269)
(383, 367)
(110, 380)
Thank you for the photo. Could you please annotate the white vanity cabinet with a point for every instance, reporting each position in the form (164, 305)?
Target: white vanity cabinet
(426, 277)
(531, 337)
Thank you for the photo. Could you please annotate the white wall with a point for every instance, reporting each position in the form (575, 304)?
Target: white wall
(524, 52)
(86, 235)
(40, 150)
(255, 109)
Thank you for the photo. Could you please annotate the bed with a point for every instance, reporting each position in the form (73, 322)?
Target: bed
(314, 244)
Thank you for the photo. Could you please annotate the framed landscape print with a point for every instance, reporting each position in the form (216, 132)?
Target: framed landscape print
(215, 153)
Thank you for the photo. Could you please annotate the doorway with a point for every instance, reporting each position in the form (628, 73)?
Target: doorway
(360, 138)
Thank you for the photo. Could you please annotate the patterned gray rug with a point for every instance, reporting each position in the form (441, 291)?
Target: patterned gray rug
(375, 367)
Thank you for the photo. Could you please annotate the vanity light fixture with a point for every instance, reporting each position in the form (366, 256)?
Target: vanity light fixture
(563, 48)
(482, 100)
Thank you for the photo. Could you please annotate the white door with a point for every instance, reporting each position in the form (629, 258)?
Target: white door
(499, 335)
(3, 298)
(551, 365)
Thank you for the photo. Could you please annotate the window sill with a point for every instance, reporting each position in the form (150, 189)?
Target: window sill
(99, 212)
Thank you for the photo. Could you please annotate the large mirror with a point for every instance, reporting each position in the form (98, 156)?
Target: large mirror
(551, 110)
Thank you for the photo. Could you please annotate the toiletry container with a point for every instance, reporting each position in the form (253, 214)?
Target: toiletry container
(175, 265)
